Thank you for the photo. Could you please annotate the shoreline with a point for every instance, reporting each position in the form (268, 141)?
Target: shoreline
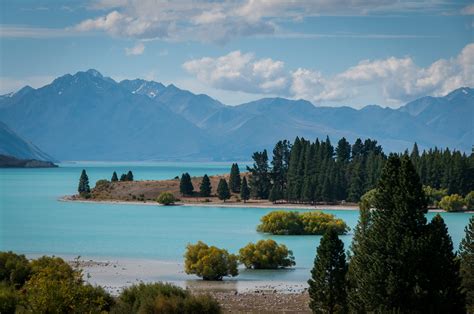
(69, 198)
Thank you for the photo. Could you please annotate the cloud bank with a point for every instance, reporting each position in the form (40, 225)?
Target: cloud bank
(399, 79)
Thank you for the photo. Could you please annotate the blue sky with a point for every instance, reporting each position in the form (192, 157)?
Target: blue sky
(332, 53)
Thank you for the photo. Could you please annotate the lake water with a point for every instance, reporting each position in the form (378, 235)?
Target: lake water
(33, 221)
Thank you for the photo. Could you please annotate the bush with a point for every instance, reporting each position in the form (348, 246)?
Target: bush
(469, 200)
(14, 269)
(8, 298)
(209, 262)
(433, 195)
(281, 222)
(162, 298)
(266, 254)
(55, 287)
(166, 198)
(452, 203)
(293, 223)
(102, 184)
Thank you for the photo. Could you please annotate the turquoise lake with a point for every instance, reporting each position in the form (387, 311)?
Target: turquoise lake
(33, 221)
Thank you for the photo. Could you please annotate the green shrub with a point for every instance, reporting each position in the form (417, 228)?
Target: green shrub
(166, 198)
(8, 298)
(266, 254)
(209, 262)
(452, 203)
(293, 223)
(162, 298)
(14, 269)
(433, 195)
(469, 200)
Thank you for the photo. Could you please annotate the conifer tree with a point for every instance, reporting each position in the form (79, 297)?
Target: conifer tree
(185, 185)
(244, 190)
(280, 163)
(223, 190)
(129, 176)
(327, 284)
(234, 179)
(292, 176)
(260, 176)
(83, 187)
(123, 177)
(114, 177)
(205, 187)
(466, 252)
(275, 194)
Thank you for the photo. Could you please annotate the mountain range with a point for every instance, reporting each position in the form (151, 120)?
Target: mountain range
(87, 116)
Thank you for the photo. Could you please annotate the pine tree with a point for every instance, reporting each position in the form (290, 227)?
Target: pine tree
(185, 185)
(123, 177)
(280, 163)
(83, 187)
(466, 252)
(244, 190)
(327, 284)
(442, 281)
(343, 151)
(275, 194)
(114, 177)
(129, 176)
(260, 177)
(223, 190)
(392, 246)
(205, 187)
(234, 179)
(292, 176)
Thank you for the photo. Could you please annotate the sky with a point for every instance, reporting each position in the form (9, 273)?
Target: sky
(330, 52)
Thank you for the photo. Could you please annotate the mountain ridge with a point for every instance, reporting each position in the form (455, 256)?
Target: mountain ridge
(141, 120)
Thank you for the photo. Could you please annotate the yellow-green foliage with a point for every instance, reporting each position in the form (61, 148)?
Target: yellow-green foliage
(367, 200)
(163, 298)
(166, 198)
(209, 262)
(433, 195)
(14, 269)
(266, 254)
(469, 200)
(452, 203)
(8, 298)
(294, 223)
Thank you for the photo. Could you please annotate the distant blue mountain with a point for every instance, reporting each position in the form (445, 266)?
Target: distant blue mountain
(87, 116)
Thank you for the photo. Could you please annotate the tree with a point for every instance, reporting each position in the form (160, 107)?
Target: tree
(205, 187)
(469, 200)
(260, 177)
(83, 188)
(266, 254)
(440, 278)
(244, 190)
(280, 163)
(114, 177)
(327, 284)
(343, 151)
(166, 198)
(129, 176)
(452, 203)
(223, 190)
(14, 269)
(276, 194)
(123, 177)
(234, 179)
(185, 185)
(209, 262)
(466, 252)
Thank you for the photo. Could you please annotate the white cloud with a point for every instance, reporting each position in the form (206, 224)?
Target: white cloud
(399, 79)
(136, 50)
(220, 21)
(468, 10)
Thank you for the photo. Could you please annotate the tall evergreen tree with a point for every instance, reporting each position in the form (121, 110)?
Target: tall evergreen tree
(129, 176)
(244, 190)
(466, 252)
(114, 177)
(83, 187)
(292, 176)
(343, 150)
(123, 177)
(260, 176)
(440, 279)
(327, 284)
(234, 179)
(205, 187)
(185, 185)
(223, 190)
(280, 163)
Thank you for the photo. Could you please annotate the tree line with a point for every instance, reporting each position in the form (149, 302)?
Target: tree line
(312, 172)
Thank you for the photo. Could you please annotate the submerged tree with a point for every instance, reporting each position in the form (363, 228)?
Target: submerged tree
(83, 188)
(114, 177)
(223, 190)
(234, 179)
(327, 284)
(205, 187)
(185, 185)
(244, 190)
